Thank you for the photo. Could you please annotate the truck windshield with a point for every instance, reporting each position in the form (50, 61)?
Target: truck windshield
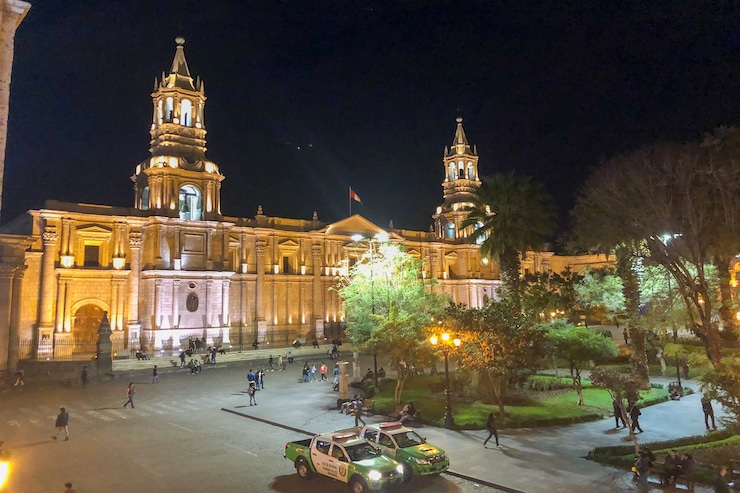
(408, 439)
(361, 451)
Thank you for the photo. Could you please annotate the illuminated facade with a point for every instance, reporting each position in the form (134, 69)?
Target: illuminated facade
(173, 267)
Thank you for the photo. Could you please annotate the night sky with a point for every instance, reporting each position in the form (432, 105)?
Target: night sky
(306, 98)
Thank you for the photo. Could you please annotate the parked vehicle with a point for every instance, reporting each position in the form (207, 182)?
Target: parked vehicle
(346, 457)
(403, 444)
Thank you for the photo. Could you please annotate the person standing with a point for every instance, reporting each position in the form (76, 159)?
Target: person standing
(83, 376)
(182, 359)
(491, 427)
(685, 367)
(313, 372)
(643, 471)
(252, 392)
(706, 406)
(155, 375)
(720, 481)
(19, 378)
(62, 424)
(269, 363)
(130, 395)
(336, 374)
(251, 378)
(358, 411)
(635, 416)
(626, 336)
(618, 415)
(322, 371)
(280, 362)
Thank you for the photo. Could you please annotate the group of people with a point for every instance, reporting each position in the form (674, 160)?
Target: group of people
(674, 466)
(309, 372)
(409, 411)
(255, 382)
(633, 410)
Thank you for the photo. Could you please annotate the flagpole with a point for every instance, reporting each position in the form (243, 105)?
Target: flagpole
(349, 196)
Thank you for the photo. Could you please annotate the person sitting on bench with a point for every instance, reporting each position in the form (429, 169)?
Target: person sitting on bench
(408, 412)
(140, 355)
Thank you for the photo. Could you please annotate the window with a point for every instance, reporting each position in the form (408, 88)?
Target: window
(144, 202)
(159, 112)
(337, 452)
(186, 113)
(371, 435)
(323, 446)
(470, 171)
(92, 256)
(287, 268)
(450, 230)
(189, 203)
(452, 171)
(168, 110)
(386, 441)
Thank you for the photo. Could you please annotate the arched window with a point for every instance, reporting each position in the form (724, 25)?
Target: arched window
(159, 112)
(452, 171)
(190, 207)
(450, 230)
(470, 171)
(144, 201)
(186, 113)
(168, 108)
(481, 238)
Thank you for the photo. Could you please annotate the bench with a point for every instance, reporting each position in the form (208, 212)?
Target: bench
(657, 468)
(141, 356)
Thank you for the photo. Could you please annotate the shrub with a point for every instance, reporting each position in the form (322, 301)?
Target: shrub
(543, 383)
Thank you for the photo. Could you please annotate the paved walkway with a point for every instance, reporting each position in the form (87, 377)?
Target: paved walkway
(542, 460)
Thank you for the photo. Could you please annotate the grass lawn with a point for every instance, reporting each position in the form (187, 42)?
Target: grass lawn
(528, 409)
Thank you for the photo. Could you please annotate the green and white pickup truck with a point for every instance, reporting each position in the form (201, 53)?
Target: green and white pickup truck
(417, 457)
(345, 457)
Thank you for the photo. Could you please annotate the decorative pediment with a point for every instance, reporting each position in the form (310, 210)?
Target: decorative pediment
(93, 229)
(451, 258)
(354, 225)
(414, 253)
(288, 246)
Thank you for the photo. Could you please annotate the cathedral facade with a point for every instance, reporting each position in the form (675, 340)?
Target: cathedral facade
(173, 267)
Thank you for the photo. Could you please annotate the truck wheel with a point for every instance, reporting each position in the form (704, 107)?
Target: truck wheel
(408, 474)
(302, 468)
(357, 485)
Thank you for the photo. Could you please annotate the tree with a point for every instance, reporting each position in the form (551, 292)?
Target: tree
(619, 386)
(387, 305)
(601, 289)
(662, 203)
(548, 293)
(498, 343)
(510, 216)
(578, 345)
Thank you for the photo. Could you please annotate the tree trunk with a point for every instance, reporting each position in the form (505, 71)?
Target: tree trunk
(579, 387)
(725, 296)
(626, 260)
(497, 391)
(510, 278)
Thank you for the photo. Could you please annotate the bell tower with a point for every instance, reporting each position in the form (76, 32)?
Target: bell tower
(178, 180)
(460, 163)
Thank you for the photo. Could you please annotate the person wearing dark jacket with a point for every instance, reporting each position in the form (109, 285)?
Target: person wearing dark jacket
(635, 417)
(618, 415)
(62, 424)
(491, 427)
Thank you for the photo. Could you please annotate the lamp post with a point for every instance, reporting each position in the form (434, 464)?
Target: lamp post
(666, 239)
(446, 343)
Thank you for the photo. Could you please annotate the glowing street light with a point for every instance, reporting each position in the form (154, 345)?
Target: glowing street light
(446, 343)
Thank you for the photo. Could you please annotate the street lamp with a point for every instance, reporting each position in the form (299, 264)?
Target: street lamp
(446, 343)
(666, 239)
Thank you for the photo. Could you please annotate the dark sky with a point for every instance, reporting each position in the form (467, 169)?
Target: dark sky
(306, 98)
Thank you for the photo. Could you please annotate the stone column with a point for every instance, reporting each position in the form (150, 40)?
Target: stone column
(48, 284)
(176, 303)
(260, 287)
(157, 301)
(61, 303)
(134, 243)
(7, 273)
(225, 302)
(317, 292)
(13, 12)
(15, 313)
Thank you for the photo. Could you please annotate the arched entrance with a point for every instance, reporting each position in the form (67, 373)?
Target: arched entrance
(87, 320)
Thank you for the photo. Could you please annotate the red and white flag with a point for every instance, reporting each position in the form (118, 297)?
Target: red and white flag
(354, 196)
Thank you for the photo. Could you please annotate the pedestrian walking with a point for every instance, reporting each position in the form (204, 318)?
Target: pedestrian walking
(83, 376)
(155, 375)
(491, 427)
(269, 363)
(336, 374)
(706, 406)
(358, 412)
(68, 488)
(280, 362)
(251, 378)
(130, 391)
(685, 367)
(182, 359)
(635, 417)
(252, 392)
(313, 373)
(626, 336)
(260, 379)
(322, 371)
(618, 415)
(62, 424)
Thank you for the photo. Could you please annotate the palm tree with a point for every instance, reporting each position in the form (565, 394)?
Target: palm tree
(512, 214)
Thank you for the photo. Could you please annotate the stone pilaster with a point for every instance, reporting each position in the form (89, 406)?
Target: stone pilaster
(318, 294)
(261, 250)
(13, 12)
(48, 284)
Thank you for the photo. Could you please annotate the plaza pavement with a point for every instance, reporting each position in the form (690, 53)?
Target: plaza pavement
(530, 460)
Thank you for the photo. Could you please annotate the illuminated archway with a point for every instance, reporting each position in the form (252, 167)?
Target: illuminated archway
(190, 203)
